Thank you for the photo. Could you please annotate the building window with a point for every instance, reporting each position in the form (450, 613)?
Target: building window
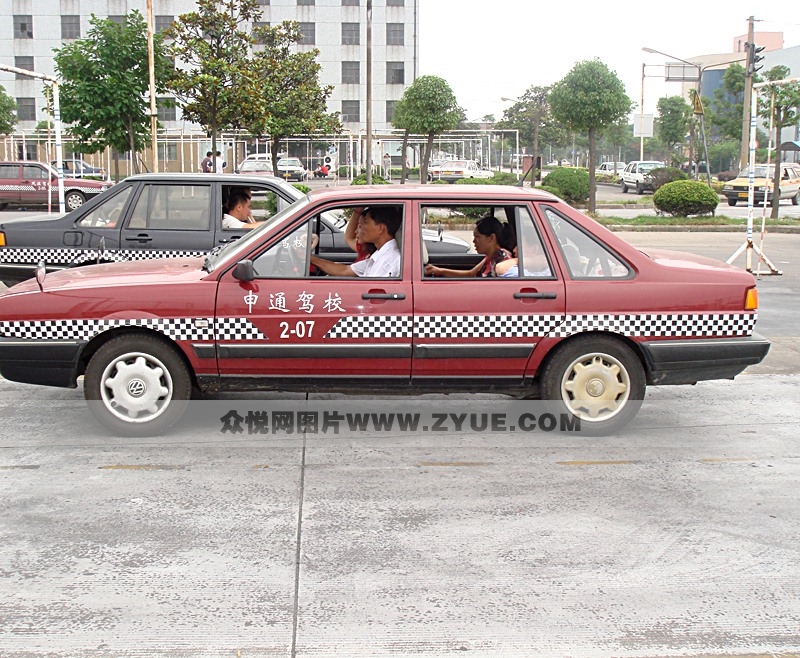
(119, 20)
(350, 3)
(26, 109)
(305, 3)
(395, 34)
(168, 151)
(351, 73)
(23, 26)
(29, 153)
(163, 23)
(70, 27)
(24, 62)
(351, 111)
(166, 109)
(257, 25)
(395, 73)
(395, 3)
(390, 111)
(351, 34)
(307, 34)
(263, 2)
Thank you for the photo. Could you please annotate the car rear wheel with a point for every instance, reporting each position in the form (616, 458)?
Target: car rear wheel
(73, 200)
(137, 385)
(732, 202)
(597, 379)
(796, 198)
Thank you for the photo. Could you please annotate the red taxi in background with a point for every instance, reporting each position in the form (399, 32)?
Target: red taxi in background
(587, 322)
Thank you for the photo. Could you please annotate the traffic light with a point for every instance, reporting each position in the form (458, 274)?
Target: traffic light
(753, 57)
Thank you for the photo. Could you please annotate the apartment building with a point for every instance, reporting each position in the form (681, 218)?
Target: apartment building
(337, 28)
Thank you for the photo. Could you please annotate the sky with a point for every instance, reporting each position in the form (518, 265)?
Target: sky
(488, 50)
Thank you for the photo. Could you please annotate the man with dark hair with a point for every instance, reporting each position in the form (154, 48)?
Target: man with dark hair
(206, 163)
(379, 225)
(237, 210)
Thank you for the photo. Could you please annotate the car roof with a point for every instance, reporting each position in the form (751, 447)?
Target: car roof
(432, 193)
(232, 179)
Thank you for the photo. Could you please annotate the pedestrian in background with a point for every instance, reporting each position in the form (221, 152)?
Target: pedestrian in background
(206, 163)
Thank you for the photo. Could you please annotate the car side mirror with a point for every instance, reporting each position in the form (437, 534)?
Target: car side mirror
(244, 271)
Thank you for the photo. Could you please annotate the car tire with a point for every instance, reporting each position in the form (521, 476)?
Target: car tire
(639, 188)
(73, 200)
(796, 198)
(597, 379)
(624, 188)
(137, 385)
(732, 202)
(3, 206)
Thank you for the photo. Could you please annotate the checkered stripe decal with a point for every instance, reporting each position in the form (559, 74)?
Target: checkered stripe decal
(372, 326)
(175, 328)
(484, 326)
(558, 326)
(712, 324)
(34, 255)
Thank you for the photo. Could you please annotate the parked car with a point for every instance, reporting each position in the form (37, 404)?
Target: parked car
(152, 216)
(28, 183)
(737, 189)
(636, 175)
(613, 168)
(453, 170)
(255, 168)
(292, 169)
(80, 169)
(589, 324)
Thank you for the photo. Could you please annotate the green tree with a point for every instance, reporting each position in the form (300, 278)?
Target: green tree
(428, 107)
(105, 82)
(8, 112)
(779, 105)
(589, 98)
(214, 80)
(292, 100)
(531, 115)
(672, 123)
(727, 105)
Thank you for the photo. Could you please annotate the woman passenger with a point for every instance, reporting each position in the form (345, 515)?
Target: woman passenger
(491, 238)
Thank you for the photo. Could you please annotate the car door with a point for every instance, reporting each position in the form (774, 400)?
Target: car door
(173, 219)
(286, 323)
(35, 185)
(9, 182)
(486, 327)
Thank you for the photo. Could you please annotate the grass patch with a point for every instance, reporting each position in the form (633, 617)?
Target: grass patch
(706, 220)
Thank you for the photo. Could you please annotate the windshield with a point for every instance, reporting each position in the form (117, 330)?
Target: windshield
(455, 164)
(291, 162)
(243, 244)
(760, 171)
(255, 165)
(649, 166)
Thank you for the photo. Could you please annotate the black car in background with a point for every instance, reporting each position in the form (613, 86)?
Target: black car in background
(163, 215)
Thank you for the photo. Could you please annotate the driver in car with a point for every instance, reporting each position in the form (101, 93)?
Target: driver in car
(379, 225)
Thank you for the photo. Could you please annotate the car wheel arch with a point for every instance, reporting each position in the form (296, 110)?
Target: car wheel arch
(95, 343)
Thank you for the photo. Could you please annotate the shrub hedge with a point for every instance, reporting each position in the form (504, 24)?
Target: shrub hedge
(570, 184)
(663, 175)
(686, 197)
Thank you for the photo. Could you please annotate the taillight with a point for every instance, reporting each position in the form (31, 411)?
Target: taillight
(751, 300)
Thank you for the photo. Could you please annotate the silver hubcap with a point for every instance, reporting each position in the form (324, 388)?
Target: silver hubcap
(136, 387)
(595, 387)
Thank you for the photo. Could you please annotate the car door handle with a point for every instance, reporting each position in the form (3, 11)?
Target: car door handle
(231, 239)
(534, 295)
(142, 237)
(383, 295)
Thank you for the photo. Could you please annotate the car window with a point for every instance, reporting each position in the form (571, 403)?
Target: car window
(108, 213)
(172, 207)
(585, 257)
(530, 249)
(9, 171)
(34, 172)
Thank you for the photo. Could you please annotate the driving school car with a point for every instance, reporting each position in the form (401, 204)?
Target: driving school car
(588, 322)
(738, 189)
(156, 216)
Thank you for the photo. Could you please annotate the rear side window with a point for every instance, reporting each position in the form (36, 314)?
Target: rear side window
(9, 172)
(585, 257)
(172, 207)
(34, 172)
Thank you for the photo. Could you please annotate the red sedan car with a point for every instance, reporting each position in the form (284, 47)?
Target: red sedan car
(581, 318)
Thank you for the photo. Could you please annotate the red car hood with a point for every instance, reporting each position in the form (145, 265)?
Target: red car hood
(135, 273)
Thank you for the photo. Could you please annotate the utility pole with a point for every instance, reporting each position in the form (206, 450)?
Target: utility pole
(744, 151)
(152, 84)
(369, 92)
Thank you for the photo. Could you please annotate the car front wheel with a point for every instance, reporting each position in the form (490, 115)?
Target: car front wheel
(597, 379)
(624, 188)
(732, 202)
(137, 385)
(796, 198)
(73, 200)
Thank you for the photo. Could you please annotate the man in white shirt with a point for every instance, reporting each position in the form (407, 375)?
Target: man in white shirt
(237, 210)
(219, 164)
(378, 226)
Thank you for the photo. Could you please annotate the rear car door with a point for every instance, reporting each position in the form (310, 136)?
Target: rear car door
(173, 219)
(486, 327)
(288, 323)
